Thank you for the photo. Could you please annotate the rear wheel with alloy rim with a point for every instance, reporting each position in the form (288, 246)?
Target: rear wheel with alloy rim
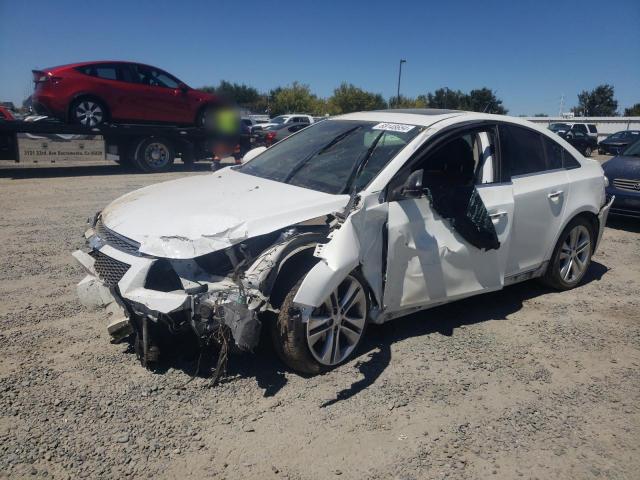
(330, 335)
(572, 255)
(88, 112)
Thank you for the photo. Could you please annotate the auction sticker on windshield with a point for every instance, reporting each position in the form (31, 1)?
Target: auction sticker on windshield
(394, 127)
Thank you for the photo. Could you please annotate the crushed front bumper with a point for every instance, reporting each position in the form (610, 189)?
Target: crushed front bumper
(116, 281)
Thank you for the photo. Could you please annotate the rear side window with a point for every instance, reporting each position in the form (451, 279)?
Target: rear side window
(579, 127)
(522, 151)
(106, 71)
(592, 128)
(557, 156)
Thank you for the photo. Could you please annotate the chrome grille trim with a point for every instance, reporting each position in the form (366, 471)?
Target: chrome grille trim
(115, 240)
(109, 269)
(627, 184)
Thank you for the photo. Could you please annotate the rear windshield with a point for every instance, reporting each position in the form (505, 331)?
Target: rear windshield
(325, 156)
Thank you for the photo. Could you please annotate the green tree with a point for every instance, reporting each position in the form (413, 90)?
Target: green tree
(633, 111)
(241, 94)
(446, 98)
(408, 102)
(599, 102)
(540, 115)
(484, 100)
(294, 98)
(349, 98)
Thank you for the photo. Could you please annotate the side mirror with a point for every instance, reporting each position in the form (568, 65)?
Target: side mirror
(412, 187)
(253, 153)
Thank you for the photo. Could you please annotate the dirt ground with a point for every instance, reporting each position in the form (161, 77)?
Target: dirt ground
(524, 383)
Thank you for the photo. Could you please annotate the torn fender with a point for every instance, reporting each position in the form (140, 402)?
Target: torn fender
(357, 241)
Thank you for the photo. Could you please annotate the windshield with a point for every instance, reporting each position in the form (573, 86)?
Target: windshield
(633, 150)
(616, 136)
(279, 119)
(558, 126)
(326, 155)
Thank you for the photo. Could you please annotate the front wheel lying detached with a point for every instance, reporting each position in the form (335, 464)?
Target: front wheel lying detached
(332, 333)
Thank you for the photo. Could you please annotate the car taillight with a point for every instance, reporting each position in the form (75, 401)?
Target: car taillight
(269, 137)
(42, 77)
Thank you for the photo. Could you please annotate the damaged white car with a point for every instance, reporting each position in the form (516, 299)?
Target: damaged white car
(361, 218)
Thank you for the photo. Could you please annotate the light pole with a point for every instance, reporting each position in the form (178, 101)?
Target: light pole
(399, 77)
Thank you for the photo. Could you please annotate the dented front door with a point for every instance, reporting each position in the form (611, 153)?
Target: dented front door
(428, 262)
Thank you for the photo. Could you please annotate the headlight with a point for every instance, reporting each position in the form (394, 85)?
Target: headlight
(606, 182)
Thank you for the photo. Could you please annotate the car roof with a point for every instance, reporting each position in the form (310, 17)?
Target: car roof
(82, 64)
(414, 116)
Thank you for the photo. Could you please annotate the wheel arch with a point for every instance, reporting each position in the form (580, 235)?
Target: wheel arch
(298, 263)
(200, 110)
(88, 96)
(591, 215)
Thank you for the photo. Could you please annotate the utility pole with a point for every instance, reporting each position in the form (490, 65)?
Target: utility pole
(561, 105)
(399, 77)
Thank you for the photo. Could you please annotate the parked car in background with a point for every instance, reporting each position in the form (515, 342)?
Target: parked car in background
(91, 93)
(588, 129)
(252, 124)
(581, 141)
(619, 141)
(275, 133)
(623, 173)
(284, 119)
(364, 217)
(6, 114)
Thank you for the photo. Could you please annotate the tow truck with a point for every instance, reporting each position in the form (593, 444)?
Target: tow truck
(149, 148)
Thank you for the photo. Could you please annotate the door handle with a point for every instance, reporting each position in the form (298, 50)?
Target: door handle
(497, 215)
(554, 195)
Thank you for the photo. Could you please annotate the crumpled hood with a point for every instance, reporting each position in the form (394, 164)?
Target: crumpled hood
(196, 215)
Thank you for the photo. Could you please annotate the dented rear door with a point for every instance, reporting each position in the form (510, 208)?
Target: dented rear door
(428, 262)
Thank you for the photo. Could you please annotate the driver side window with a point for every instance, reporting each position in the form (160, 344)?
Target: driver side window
(464, 160)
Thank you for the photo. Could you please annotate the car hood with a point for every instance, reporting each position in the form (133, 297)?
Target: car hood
(197, 215)
(614, 142)
(622, 167)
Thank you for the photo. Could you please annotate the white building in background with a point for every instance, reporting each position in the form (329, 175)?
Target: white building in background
(605, 125)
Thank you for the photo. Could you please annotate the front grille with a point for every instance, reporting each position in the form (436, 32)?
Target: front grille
(108, 269)
(626, 184)
(115, 240)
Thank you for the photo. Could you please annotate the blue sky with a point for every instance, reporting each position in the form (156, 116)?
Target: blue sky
(529, 52)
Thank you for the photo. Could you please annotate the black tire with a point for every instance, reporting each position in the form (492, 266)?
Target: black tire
(289, 334)
(154, 155)
(205, 118)
(88, 111)
(555, 276)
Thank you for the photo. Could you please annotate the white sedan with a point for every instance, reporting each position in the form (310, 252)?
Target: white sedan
(361, 218)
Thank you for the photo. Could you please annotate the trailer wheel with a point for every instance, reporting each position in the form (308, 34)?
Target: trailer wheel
(154, 155)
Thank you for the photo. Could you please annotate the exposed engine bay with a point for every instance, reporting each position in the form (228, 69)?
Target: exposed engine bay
(218, 296)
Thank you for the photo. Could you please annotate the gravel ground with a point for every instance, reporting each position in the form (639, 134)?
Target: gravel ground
(523, 383)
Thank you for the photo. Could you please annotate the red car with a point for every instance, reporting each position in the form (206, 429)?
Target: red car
(91, 93)
(5, 114)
